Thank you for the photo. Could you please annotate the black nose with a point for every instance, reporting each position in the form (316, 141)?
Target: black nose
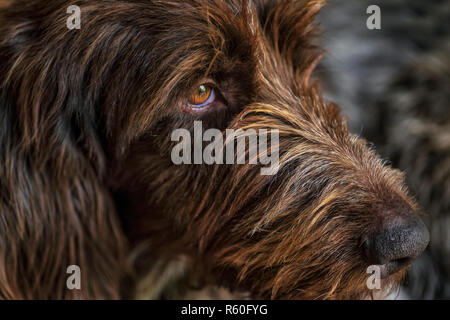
(398, 242)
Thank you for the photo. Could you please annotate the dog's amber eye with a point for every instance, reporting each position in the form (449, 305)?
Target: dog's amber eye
(201, 96)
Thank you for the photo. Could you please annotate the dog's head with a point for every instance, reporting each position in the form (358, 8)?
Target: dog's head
(101, 104)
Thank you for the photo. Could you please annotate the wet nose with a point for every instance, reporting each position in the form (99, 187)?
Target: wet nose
(397, 243)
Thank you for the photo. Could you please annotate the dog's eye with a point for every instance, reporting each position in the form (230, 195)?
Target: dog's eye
(201, 96)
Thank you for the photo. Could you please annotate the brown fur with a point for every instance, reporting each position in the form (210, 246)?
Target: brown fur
(85, 170)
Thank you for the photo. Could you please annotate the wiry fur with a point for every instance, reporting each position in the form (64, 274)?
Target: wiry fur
(86, 176)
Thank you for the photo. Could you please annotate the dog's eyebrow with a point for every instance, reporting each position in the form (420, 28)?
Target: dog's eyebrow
(213, 60)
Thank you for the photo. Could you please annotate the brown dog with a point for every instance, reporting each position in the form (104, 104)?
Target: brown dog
(87, 179)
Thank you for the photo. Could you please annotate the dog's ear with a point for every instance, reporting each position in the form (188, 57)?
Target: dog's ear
(55, 211)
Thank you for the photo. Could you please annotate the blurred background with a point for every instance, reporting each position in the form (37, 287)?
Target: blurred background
(393, 84)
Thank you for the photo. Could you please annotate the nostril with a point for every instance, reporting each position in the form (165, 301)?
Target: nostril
(397, 244)
(395, 266)
(403, 261)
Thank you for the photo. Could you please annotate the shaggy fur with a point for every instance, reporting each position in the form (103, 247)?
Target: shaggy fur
(85, 171)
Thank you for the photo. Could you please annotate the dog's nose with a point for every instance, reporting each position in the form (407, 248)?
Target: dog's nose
(398, 242)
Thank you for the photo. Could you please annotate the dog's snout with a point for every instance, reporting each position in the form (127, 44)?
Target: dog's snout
(396, 244)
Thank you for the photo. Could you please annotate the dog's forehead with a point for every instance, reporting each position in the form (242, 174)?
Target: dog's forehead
(277, 29)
